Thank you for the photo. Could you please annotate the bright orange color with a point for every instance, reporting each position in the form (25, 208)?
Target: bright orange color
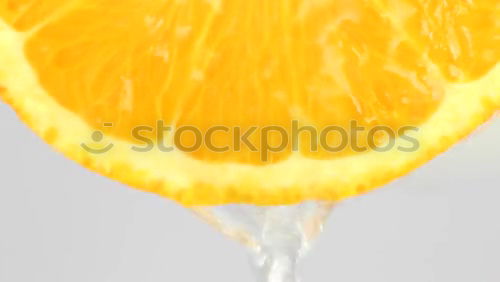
(69, 66)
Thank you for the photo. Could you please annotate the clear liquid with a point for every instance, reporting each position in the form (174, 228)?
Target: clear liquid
(277, 236)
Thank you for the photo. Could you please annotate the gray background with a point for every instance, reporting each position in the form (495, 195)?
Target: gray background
(60, 222)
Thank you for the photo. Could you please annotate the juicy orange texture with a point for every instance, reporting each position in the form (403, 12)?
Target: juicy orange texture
(206, 63)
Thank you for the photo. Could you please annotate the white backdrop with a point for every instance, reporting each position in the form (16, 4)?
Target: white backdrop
(61, 223)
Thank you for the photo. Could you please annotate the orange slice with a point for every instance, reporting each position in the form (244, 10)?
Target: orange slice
(96, 78)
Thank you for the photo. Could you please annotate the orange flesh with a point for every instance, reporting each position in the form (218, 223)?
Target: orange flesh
(255, 63)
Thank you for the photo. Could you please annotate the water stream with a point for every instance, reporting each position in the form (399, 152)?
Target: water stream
(277, 236)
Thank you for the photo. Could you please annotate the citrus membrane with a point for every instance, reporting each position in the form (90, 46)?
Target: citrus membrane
(76, 67)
